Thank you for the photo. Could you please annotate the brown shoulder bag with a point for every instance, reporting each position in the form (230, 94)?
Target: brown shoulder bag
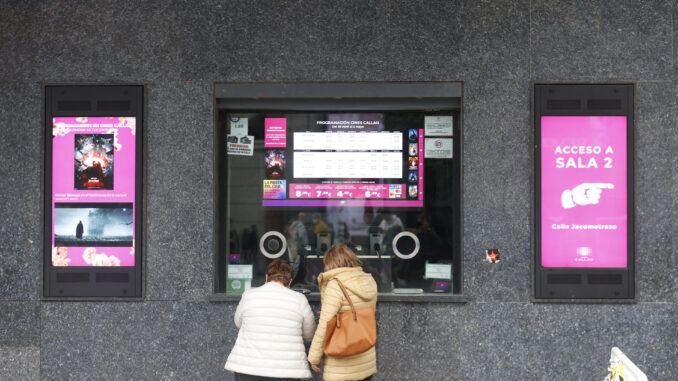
(350, 332)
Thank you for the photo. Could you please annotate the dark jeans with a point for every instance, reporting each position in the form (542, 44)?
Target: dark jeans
(248, 377)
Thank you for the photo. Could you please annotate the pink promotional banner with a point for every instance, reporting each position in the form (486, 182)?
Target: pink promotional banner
(584, 191)
(347, 191)
(275, 132)
(93, 191)
(345, 203)
(421, 165)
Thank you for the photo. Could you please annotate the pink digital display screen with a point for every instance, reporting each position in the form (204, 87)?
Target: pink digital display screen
(93, 191)
(584, 191)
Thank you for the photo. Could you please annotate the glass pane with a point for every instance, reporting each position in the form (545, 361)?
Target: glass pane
(385, 183)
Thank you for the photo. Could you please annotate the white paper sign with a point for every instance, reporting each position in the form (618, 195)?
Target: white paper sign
(240, 145)
(437, 126)
(437, 148)
(239, 126)
(240, 271)
(438, 271)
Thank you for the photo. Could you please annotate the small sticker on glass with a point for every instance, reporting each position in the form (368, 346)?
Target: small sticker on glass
(239, 126)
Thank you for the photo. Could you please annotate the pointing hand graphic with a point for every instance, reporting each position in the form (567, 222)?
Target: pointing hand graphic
(583, 194)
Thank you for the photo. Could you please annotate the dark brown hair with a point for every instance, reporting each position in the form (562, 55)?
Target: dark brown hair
(279, 271)
(340, 255)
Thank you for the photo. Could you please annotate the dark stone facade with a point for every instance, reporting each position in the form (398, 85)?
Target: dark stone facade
(178, 49)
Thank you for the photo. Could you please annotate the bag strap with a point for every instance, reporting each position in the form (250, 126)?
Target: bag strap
(355, 315)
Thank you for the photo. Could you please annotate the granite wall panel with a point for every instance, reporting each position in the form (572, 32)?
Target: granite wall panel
(455, 40)
(674, 73)
(103, 41)
(673, 224)
(20, 363)
(574, 341)
(180, 227)
(20, 329)
(483, 340)
(355, 41)
(20, 203)
(153, 340)
(497, 189)
(178, 49)
(495, 342)
(656, 188)
(436, 352)
(20, 324)
(601, 40)
(200, 32)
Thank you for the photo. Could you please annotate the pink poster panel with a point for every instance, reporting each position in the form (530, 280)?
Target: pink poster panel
(275, 132)
(583, 191)
(93, 191)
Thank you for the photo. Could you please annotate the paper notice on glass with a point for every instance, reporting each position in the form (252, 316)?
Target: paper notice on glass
(239, 271)
(437, 126)
(240, 145)
(239, 126)
(438, 271)
(238, 285)
(437, 148)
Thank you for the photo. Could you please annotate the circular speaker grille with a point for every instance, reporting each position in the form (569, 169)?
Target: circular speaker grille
(272, 244)
(405, 245)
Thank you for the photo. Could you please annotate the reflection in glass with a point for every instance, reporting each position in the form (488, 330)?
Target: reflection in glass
(318, 179)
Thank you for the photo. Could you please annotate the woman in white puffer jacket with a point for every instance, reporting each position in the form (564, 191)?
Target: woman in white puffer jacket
(274, 322)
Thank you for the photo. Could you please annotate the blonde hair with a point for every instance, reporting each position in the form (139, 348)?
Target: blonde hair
(340, 255)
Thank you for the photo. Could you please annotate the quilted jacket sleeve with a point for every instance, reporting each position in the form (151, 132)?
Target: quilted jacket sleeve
(308, 325)
(332, 300)
(238, 311)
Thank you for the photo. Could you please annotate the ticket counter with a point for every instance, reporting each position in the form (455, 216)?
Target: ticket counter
(303, 167)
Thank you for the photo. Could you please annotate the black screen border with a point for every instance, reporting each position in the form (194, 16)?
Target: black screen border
(94, 283)
(595, 285)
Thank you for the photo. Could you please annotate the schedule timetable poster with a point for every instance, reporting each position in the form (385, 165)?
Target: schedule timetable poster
(93, 191)
(584, 191)
(343, 160)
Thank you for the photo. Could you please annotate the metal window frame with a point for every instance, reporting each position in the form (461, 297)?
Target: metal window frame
(337, 96)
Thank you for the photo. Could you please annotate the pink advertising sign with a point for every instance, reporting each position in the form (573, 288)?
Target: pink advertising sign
(93, 191)
(421, 165)
(275, 132)
(584, 191)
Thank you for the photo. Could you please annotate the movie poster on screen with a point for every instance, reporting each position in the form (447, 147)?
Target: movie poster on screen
(93, 191)
(584, 191)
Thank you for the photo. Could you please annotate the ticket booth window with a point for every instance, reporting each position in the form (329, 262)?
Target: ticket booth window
(320, 165)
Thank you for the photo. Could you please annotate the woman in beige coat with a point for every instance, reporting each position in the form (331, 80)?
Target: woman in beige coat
(342, 263)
